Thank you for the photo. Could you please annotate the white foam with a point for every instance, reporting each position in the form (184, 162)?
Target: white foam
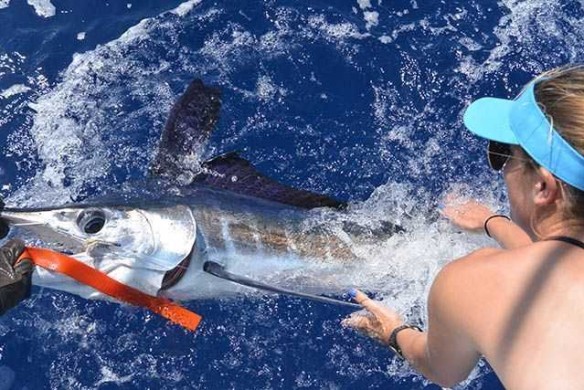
(267, 90)
(134, 33)
(371, 19)
(364, 4)
(81, 36)
(339, 32)
(185, 7)
(68, 125)
(14, 90)
(43, 8)
(109, 376)
(470, 44)
(529, 26)
(385, 39)
(4, 3)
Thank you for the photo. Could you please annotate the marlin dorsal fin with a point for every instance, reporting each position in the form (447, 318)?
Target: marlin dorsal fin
(234, 173)
(191, 121)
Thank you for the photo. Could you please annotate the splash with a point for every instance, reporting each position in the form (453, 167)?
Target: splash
(536, 26)
(391, 129)
(82, 130)
(43, 8)
(14, 90)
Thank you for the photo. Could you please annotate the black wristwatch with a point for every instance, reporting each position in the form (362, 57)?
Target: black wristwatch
(393, 338)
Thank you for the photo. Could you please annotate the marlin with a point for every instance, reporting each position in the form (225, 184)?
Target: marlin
(224, 209)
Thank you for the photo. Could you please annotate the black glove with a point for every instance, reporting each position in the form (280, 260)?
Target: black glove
(15, 280)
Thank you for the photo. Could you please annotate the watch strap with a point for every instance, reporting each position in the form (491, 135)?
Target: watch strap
(393, 338)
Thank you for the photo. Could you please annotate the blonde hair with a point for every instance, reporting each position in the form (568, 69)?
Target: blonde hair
(560, 94)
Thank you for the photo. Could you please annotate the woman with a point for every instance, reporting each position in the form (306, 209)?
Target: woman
(520, 307)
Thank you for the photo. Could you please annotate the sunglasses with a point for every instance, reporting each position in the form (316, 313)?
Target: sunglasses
(498, 154)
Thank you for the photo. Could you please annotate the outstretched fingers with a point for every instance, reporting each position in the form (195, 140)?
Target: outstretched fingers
(376, 320)
(369, 304)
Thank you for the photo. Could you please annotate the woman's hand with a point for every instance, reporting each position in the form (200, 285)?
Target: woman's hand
(469, 215)
(377, 322)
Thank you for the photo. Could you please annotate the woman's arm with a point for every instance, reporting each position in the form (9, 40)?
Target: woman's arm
(471, 216)
(447, 352)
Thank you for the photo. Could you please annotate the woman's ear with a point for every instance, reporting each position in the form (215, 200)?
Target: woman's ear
(546, 189)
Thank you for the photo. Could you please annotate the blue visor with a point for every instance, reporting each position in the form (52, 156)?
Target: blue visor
(521, 122)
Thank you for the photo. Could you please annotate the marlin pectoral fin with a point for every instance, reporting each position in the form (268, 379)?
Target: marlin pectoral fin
(234, 173)
(190, 123)
(218, 270)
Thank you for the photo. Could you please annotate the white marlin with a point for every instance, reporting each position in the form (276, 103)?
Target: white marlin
(160, 243)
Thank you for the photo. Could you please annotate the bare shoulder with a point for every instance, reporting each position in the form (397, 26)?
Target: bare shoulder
(488, 263)
(458, 310)
(475, 264)
(471, 284)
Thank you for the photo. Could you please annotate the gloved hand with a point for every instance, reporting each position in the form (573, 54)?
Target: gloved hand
(15, 280)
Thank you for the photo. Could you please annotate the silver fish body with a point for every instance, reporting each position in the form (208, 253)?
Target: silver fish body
(139, 242)
(222, 208)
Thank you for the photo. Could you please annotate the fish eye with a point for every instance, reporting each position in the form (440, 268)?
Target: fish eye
(91, 221)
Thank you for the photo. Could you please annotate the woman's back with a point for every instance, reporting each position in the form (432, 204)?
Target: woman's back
(531, 314)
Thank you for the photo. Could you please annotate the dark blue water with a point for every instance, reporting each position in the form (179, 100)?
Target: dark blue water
(342, 97)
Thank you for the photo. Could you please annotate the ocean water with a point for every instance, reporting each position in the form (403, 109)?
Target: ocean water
(358, 99)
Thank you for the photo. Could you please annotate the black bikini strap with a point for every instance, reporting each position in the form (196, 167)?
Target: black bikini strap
(568, 240)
